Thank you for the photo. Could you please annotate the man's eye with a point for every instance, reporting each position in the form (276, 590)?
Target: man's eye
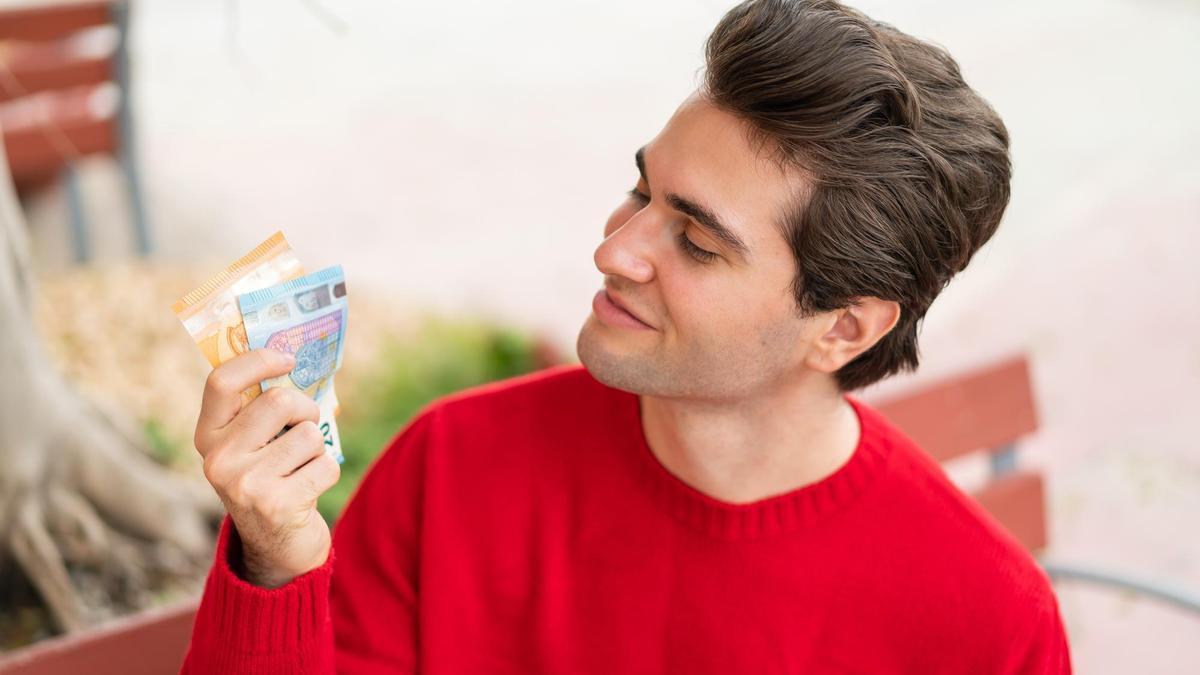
(700, 254)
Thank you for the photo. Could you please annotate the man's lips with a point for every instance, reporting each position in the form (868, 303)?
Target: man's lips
(612, 311)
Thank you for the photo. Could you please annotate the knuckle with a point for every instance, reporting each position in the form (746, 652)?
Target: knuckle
(218, 382)
(276, 398)
(213, 470)
(243, 489)
(309, 434)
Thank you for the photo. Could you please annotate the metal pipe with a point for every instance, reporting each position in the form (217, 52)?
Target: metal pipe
(1174, 595)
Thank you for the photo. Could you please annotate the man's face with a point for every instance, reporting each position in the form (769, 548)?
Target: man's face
(695, 252)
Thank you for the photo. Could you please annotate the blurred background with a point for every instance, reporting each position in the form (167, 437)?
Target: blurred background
(459, 160)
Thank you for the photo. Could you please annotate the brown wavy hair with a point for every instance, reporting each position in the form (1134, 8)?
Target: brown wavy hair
(908, 166)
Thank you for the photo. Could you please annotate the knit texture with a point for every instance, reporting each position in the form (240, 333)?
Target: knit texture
(526, 527)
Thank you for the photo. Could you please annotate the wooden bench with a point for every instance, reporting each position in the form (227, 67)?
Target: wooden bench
(50, 88)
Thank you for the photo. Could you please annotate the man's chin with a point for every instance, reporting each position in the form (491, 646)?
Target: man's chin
(609, 364)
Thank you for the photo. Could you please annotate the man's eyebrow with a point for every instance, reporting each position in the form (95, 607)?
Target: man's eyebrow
(708, 220)
(704, 217)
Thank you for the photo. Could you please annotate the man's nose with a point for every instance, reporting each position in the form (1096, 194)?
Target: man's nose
(628, 251)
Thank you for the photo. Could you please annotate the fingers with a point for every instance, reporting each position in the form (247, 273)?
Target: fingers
(267, 415)
(317, 476)
(223, 390)
(294, 449)
(290, 472)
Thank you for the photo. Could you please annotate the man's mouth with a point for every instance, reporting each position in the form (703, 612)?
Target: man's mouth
(611, 311)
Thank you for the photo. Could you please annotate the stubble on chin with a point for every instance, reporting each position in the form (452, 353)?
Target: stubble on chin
(709, 372)
(627, 372)
(649, 373)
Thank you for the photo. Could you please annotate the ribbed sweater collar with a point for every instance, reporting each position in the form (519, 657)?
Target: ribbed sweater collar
(772, 516)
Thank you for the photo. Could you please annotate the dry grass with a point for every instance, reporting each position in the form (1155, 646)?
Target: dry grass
(112, 332)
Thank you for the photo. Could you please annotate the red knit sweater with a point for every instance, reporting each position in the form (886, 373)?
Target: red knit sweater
(526, 527)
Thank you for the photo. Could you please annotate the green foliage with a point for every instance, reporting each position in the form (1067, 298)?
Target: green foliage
(442, 358)
(164, 447)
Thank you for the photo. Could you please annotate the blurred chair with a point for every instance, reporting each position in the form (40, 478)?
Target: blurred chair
(987, 410)
(52, 102)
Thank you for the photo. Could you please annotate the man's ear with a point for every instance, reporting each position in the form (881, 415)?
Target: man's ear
(852, 331)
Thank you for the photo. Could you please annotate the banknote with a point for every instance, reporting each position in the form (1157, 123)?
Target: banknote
(305, 317)
(211, 315)
(210, 312)
(328, 424)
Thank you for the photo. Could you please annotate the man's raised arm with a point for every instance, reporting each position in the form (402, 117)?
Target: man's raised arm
(266, 606)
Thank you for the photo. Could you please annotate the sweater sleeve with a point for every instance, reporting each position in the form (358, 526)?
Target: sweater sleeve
(362, 621)
(243, 628)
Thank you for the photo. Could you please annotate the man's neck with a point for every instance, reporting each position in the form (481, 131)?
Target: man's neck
(755, 448)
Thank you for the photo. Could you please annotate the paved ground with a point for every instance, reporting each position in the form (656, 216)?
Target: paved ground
(465, 156)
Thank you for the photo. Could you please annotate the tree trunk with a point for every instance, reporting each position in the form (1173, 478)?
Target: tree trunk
(91, 521)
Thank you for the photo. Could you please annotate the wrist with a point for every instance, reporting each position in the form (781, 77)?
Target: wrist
(251, 567)
(253, 571)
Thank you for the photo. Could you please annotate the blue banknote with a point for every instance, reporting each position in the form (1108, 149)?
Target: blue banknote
(305, 317)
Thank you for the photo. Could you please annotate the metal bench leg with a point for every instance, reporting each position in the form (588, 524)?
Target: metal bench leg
(80, 242)
(1180, 597)
(141, 228)
(127, 152)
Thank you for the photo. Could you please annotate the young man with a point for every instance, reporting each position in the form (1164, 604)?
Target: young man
(703, 495)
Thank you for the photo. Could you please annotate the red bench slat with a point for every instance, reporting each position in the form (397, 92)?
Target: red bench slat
(1018, 502)
(52, 22)
(984, 409)
(60, 74)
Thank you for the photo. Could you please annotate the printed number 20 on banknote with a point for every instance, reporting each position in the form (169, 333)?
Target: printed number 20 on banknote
(305, 317)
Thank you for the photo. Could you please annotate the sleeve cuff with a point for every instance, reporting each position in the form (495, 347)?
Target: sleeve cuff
(238, 617)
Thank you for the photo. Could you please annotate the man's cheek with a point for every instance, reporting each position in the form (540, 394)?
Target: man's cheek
(699, 312)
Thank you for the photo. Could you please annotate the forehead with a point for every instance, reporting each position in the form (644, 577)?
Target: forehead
(706, 154)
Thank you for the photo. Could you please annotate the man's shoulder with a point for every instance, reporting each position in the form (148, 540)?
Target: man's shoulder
(919, 490)
(964, 565)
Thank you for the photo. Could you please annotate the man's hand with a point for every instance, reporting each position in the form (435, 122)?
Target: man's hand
(269, 485)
